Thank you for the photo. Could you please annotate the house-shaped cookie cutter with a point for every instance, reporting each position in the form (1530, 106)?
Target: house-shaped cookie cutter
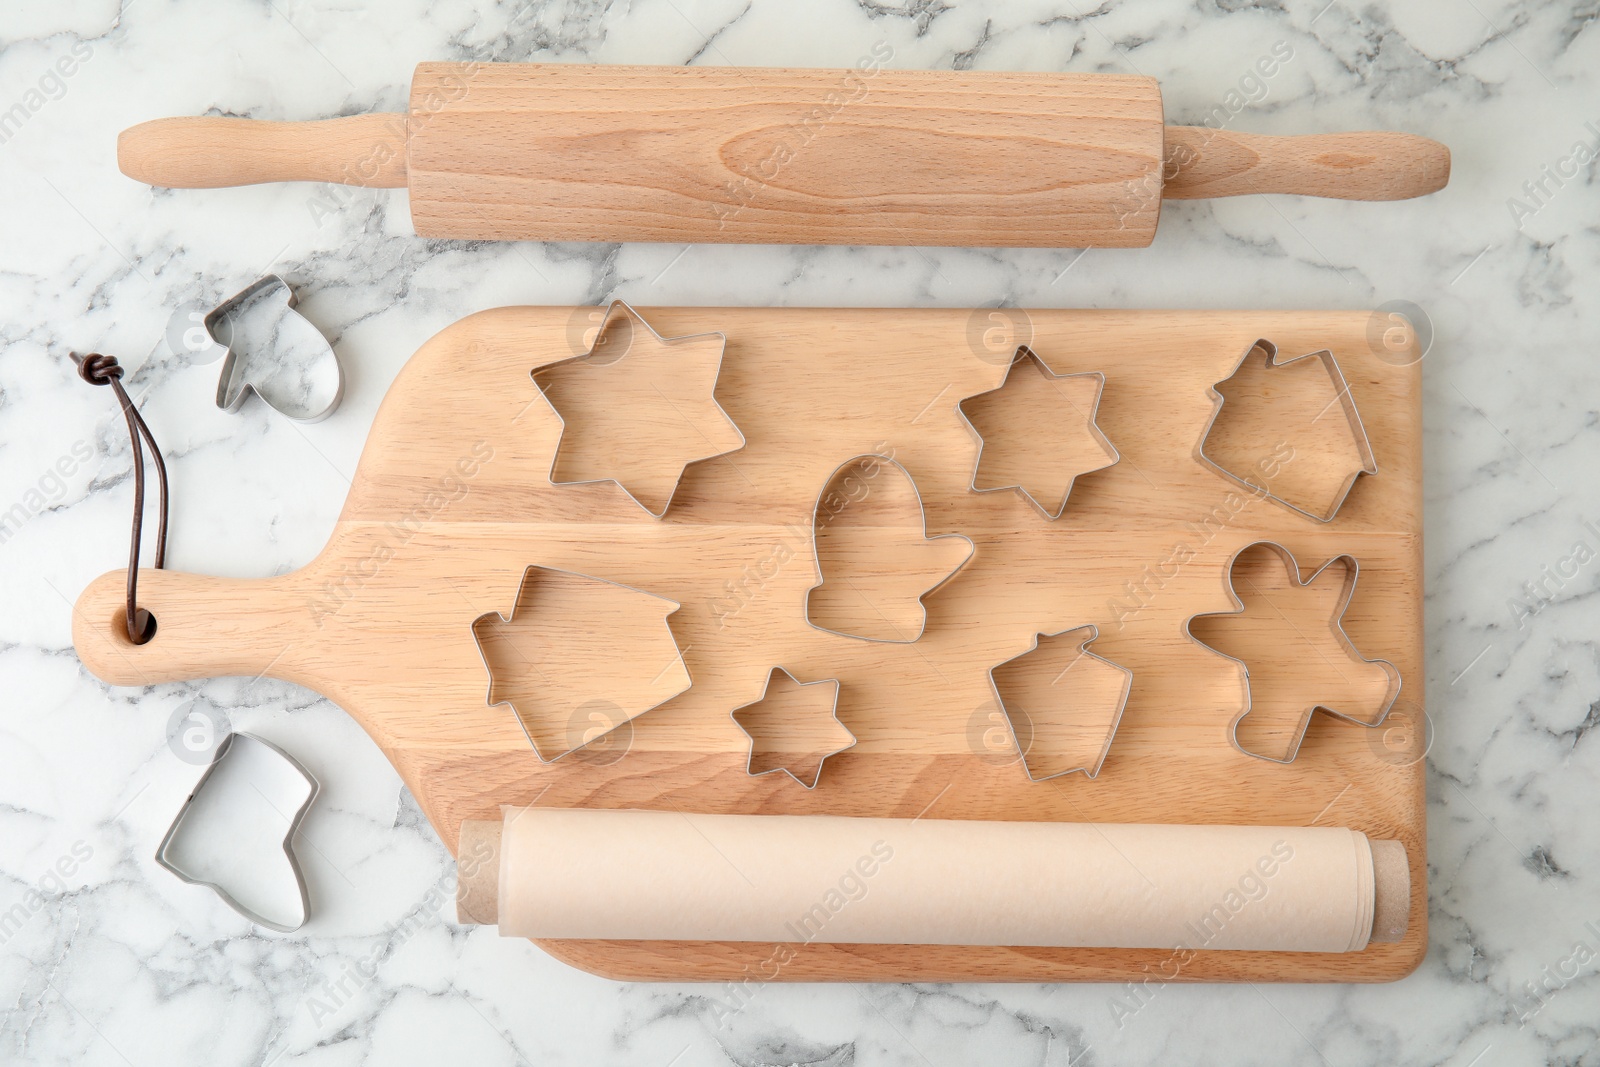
(1358, 433)
(507, 618)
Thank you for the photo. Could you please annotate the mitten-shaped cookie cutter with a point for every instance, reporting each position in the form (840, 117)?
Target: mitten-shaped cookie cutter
(192, 335)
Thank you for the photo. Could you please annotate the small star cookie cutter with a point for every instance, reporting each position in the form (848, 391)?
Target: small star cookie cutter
(922, 512)
(1358, 432)
(192, 336)
(1023, 354)
(1292, 567)
(1089, 770)
(621, 309)
(164, 850)
(833, 712)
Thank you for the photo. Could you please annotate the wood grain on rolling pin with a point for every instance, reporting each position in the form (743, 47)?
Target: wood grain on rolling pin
(211, 152)
(1373, 165)
(705, 154)
(785, 156)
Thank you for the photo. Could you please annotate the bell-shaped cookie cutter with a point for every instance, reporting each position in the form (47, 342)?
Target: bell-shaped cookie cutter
(1089, 770)
(833, 711)
(163, 851)
(1292, 567)
(922, 513)
(1025, 353)
(1358, 432)
(191, 334)
(636, 320)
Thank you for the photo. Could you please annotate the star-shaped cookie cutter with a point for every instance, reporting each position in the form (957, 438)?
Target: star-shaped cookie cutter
(622, 308)
(833, 711)
(1358, 432)
(1090, 771)
(1292, 567)
(1023, 354)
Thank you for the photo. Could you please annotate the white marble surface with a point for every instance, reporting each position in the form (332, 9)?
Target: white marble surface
(119, 963)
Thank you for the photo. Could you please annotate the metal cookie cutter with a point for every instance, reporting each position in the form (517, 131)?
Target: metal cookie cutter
(1352, 571)
(1025, 354)
(1089, 770)
(621, 310)
(1358, 433)
(833, 713)
(625, 716)
(922, 511)
(163, 852)
(192, 335)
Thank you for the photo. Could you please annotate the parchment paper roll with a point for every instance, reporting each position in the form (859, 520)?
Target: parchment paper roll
(560, 873)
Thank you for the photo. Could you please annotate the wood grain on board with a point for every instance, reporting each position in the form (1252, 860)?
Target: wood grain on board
(452, 503)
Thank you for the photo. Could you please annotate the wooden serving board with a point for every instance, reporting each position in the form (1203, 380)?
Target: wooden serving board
(381, 621)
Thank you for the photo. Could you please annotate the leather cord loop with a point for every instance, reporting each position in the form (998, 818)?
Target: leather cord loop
(98, 369)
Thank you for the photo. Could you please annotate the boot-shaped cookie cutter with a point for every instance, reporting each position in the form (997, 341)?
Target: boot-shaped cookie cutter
(192, 335)
(1352, 570)
(1358, 433)
(231, 743)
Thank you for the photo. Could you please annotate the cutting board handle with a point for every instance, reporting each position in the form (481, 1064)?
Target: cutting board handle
(214, 151)
(206, 627)
(1372, 165)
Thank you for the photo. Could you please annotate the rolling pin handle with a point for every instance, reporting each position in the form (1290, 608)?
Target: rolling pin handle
(1205, 162)
(214, 151)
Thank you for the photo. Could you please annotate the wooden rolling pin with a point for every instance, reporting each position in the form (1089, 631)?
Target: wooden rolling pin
(702, 154)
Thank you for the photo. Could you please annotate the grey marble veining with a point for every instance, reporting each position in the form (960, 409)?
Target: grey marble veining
(116, 962)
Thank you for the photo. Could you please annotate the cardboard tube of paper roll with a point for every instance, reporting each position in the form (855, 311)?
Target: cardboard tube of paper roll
(649, 875)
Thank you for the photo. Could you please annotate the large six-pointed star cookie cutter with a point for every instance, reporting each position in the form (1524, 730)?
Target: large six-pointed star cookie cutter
(620, 310)
(1025, 354)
